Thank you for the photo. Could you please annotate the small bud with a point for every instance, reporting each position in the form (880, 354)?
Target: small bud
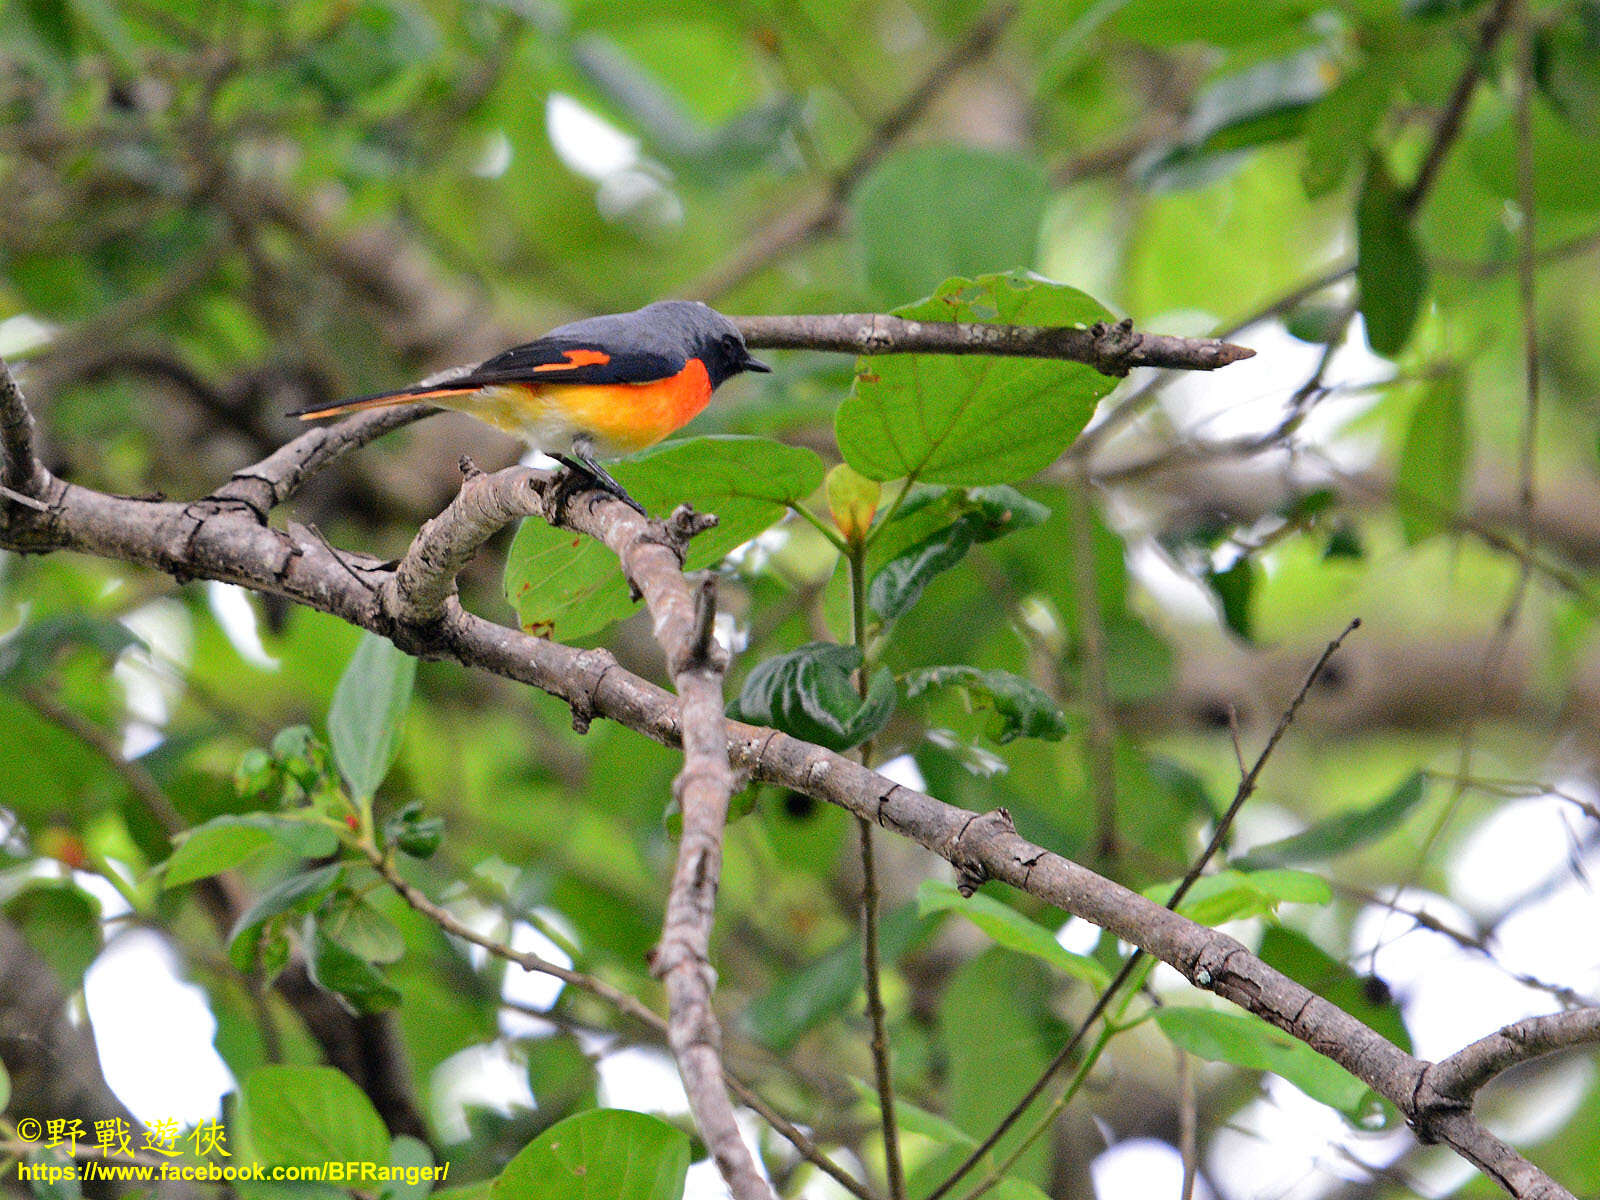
(853, 500)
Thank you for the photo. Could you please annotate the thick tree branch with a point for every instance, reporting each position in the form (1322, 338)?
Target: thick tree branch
(230, 542)
(1109, 349)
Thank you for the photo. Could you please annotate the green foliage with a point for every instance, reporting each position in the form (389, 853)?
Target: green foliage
(1433, 461)
(969, 419)
(369, 708)
(928, 213)
(1391, 270)
(808, 693)
(1010, 929)
(1240, 1039)
(605, 1154)
(306, 1116)
(1021, 709)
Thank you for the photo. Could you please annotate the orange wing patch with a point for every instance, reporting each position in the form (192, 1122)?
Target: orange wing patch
(577, 358)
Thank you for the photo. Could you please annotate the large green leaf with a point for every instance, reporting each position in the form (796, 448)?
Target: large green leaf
(972, 419)
(1021, 709)
(566, 586)
(604, 1154)
(62, 923)
(808, 694)
(339, 970)
(930, 212)
(1433, 462)
(1229, 895)
(368, 710)
(305, 1116)
(1249, 1042)
(1390, 269)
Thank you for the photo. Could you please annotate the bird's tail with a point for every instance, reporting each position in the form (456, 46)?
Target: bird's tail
(381, 400)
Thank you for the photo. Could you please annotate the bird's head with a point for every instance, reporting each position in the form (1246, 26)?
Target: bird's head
(710, 337)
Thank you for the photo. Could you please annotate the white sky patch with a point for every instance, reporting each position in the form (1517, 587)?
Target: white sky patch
(154, 1032)
(496, 158)
(1512, 852)
(237, 617)
(1078, 936)
(1287, 1146)
(482, 1077)
(586, 142)
(21, 333)
(1434, 977)
(903, 770)
(643, 1080)
(152, 679)
(1140, 1168)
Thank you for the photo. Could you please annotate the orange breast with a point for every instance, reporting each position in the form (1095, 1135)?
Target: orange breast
(631, 416)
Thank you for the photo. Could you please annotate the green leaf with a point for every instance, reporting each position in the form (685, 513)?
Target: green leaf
(913, 1119)
(971, 419)
(852, 500)
(984, 514)
(604, 1154)
(413, 833)
(1021, 708)
(930, 212)
(1234, 589)
(30, 652)
(808, 694)
(62, 923)
(355, 924)
(368, 711)
(225, 842)
(1249, 1042)
(1009, 928)
(5, 1086)
(336, 969)
(1230, 895)
(1433, 462)
(1264, 102)
(825, 987)
(298, 892)
(569, 587)
(1343, 833)
(1338, 127)
(305, 1116)
(1390, 270)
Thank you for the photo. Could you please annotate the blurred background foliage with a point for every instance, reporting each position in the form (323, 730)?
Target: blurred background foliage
(219, 210)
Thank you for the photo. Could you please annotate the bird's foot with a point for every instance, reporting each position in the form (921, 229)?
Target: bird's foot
(583, 474)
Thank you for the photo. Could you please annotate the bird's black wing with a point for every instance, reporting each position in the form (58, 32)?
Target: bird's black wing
(571, 360)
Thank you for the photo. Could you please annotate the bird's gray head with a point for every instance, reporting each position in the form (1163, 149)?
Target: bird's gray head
(713, 339)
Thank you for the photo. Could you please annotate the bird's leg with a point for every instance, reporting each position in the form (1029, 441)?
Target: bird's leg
(582, 468)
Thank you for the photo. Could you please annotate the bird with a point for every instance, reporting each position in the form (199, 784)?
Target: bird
(596, 388)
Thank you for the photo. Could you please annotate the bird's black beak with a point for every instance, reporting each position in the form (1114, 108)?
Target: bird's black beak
(755, 364)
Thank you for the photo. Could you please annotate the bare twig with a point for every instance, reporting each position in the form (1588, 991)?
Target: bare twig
(1109, 349)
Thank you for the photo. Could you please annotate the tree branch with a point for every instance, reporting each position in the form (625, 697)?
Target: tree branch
(1109, 349)
(1456, 1080)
